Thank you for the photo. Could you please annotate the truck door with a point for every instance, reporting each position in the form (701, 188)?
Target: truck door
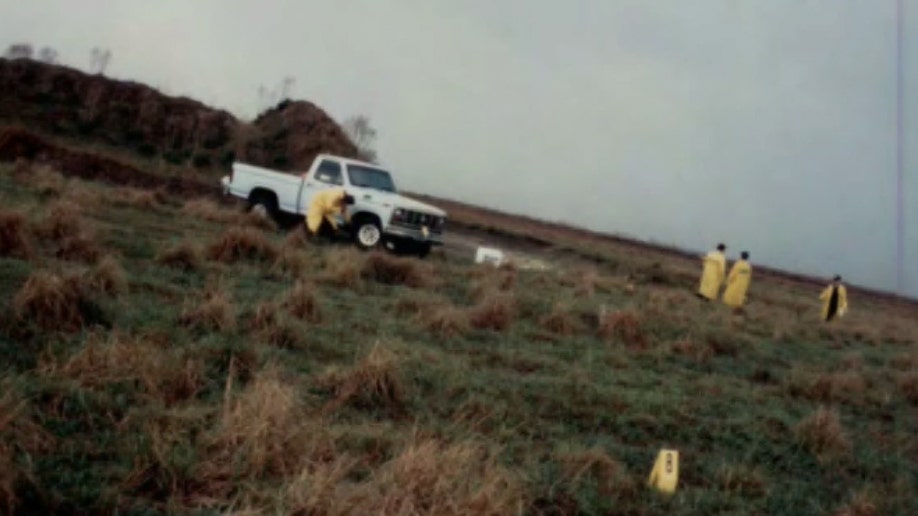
(328, 174)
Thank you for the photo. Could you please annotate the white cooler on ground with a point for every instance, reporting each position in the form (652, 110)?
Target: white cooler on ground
(489, 255)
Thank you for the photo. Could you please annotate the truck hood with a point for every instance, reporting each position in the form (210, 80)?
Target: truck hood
(396, 201)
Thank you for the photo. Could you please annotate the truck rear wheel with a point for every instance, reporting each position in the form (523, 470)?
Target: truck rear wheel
(263, 204)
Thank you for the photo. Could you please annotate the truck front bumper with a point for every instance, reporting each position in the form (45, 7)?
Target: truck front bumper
(403, 233)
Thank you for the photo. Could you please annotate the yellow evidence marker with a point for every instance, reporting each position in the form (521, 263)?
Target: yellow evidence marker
(665, 473)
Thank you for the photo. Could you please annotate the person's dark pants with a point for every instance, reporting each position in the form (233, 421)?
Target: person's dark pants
(325, 233)
(833, 305)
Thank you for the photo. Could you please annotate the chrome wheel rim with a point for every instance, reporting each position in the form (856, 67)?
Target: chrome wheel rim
(368, 235)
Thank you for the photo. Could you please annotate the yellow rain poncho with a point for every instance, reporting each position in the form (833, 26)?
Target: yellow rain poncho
(834, 301)
(325, 205)
(738, 283)
(712, 276)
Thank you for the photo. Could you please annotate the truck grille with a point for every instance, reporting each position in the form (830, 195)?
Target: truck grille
(417, 219)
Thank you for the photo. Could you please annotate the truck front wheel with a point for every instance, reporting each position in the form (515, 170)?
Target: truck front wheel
(423, 249)
(411, 248)
(367, 234)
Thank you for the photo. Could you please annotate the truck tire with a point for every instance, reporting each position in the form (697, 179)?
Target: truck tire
(411, 248)
(367, 233)
(422, 249)
(263, 204)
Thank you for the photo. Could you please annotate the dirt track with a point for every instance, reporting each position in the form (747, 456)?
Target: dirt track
(464, 244)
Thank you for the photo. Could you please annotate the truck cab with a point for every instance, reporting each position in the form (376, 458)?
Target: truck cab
(380, 216)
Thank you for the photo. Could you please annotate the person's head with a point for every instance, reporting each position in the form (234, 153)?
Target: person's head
(721, 247)
(744, 255)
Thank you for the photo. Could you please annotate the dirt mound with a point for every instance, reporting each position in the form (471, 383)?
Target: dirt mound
(290, 135)
(57, 100)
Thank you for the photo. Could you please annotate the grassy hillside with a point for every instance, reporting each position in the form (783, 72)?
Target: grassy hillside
(164, 354)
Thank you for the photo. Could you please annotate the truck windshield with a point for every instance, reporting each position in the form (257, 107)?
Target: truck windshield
(367, 177)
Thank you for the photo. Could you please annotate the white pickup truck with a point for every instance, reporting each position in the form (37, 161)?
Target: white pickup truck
(379, 215)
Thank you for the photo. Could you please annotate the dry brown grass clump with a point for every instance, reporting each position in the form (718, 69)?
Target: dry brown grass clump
(392, 270)
(52, 302)
(22, 170)
(274, 327)
(429, 477)
(488, 280)
(81, 247)
(723, 342)
(446, 321)
(560, 321)
(262, 431)
(904, 361)
(14, 235)
(594, 464)
(507, 275)
(64, 225)
(317, 488)
(302, 303)
(583, 280)
(20, 435)
(282, 333)
(161, 374)
(822, 434)
(296, 239)
(373, 382)
(414, 302)
(207, 209)
(265, 315)
(134, 197)
(291, 261)
(691, 348)
(82, 194)
(64, 219)
(343, 268)
(255, 220)
(108, 277)
(495, 312)
(624, 325)
(908, 384)
(183, 256)
(215, 311)
(242, 244)
(848, 386)
(860, 505)
(46, 180)
(742, 481)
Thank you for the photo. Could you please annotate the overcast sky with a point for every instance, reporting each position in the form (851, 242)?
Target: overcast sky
(767, 124)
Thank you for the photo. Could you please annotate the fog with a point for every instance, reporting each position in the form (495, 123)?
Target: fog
(770, 126)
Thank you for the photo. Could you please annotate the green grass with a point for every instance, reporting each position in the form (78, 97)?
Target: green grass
(145, 415)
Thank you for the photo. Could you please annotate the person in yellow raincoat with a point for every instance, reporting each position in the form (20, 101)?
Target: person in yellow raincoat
(738, 282)
(834, 300)
(713, 273)
(320, 217)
